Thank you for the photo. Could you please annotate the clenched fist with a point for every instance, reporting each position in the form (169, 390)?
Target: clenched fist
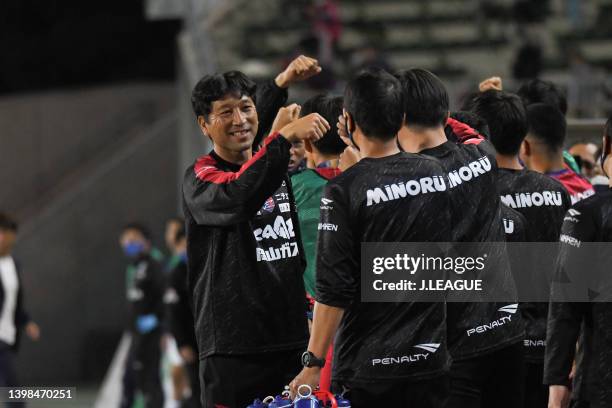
(491, 83)
(311, 127)
(300, 69)
(285, 116)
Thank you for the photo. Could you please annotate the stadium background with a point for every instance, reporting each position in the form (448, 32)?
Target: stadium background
(96, 123)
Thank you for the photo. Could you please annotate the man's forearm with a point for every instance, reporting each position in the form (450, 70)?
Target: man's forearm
(324, 325)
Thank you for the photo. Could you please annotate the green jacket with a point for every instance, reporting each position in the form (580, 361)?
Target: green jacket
(307, 188)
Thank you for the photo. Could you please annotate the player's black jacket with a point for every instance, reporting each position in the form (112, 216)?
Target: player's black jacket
(245, 261)
(145, 289)
(382, 342)
(543, 201)
(476, 212)
(515, 225)
(179, 317)
(589, 220)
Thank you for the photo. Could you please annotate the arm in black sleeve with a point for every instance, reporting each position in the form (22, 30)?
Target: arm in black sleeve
(268, 100)
(565, 318)
(337, 280)
(220, 198)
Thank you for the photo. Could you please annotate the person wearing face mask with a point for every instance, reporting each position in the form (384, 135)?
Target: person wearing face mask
(13, 317)
(144, 284)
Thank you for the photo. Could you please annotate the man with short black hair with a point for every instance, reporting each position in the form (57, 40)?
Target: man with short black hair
(541, 91)
(487, 365)
(368, 332)
(144, 289)
(543, 201)
(245, 260)
(542, 150)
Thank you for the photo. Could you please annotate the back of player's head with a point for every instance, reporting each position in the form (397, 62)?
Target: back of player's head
(330, 107)
(474, 121)
(547, 124)
(7, 223)
(374, 100)
(216, 86)
(505, 114)
(425, 98)
(540, 91)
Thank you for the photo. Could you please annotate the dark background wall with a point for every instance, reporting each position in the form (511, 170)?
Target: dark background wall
(73, 269)
(60, 43)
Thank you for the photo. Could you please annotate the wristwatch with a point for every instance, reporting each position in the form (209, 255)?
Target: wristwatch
(310, 360)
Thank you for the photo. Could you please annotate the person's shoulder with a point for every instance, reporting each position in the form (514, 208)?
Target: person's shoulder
(544, 180)
(302, 176)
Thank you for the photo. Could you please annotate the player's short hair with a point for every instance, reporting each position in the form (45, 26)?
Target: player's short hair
(547, 124)
(507, 119)
(216, 86)
(330, 107)
(425, 98)
(374, 100)
(540, 91)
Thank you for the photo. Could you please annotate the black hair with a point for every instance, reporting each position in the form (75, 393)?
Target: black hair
(547, 124)
(474, 121)
(330, 107)
(540, 91)
(507, 119)
(146, 233)
(214, 87)
(425, 98)
(374, 100)
(8, 223)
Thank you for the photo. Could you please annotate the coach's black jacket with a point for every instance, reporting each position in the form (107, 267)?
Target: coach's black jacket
(21, 316)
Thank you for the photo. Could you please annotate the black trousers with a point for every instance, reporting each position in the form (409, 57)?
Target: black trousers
(536, 393)
(430, 393)
(235, 381)
(493, 380)
(142, 371)
(8, 375)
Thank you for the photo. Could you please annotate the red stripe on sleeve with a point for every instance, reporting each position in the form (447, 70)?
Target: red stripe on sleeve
(465, 134)
(206, 167)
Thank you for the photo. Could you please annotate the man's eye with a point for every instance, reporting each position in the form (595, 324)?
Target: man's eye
(247, 109)
(225, 113)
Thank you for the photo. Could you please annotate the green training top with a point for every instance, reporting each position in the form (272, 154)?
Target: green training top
(307, 189)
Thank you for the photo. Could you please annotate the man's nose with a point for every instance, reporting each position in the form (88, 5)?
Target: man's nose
(238, 117)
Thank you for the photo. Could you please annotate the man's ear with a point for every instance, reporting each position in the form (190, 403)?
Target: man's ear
(308, 146)
(203, 126)
(350, 123)
(525, 148)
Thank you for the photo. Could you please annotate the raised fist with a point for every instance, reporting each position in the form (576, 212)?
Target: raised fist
(491, 83)
(285, 116)
(311, 127)
(300, 69)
